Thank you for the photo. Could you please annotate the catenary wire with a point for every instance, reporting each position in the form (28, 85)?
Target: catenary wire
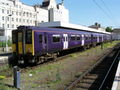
(109, 11)
(109, 17)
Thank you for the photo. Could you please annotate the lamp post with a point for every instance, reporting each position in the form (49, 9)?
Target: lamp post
(6, 38)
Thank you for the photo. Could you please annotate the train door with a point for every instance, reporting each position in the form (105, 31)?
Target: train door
(92, 38)
(45, 42)
(14, 41)
(65, 41)
(20, 35)
(21, 42)
(83, 40)
(98, 39)
(42, 46)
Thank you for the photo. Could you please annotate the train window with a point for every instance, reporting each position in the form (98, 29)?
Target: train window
(45, 38)
(78, 37)
(72, 37)
(56, 38)
(40, 38)
(19, 37)
(13, 38)
(29, 37)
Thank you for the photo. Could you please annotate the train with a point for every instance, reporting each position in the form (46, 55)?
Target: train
(31, 44)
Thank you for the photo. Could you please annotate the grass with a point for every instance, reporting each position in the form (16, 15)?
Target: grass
(2, 87)
(78, 74)
(6, 70)
(57, 73)
(34, 85)
(4, 67)
(2, 77)
(56, 81)
(5, 86)
(44, 68)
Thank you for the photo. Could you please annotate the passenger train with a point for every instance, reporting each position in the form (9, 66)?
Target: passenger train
(32, 44)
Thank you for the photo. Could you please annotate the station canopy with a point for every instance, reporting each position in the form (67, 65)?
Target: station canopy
(59, 24)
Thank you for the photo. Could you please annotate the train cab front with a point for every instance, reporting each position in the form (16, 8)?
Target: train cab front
(23, 45)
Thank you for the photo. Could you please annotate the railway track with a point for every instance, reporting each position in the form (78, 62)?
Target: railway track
(29, 67)
(97, 77)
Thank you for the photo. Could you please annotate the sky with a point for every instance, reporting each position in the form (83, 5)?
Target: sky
(87, 12)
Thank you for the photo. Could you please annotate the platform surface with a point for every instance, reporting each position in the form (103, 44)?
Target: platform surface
(116, 83)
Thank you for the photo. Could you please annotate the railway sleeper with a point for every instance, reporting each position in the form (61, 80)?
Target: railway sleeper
(88, 84)
(88, 81)
(93, 76)
(83, 85)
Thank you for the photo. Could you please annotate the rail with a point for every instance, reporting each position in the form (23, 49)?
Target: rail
(109, 71)
(85, 73)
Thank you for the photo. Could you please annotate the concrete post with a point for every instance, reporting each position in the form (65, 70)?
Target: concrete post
(16, 71)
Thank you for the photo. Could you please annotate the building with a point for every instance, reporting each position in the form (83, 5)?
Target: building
(2, 34)
(116, 33)
(98, 27)
(14, 13)
(56, 12)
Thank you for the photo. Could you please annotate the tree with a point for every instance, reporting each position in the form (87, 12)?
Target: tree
(108, 29)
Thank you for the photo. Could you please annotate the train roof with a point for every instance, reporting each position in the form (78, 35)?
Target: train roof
(50, 29)
(58, 24)
(56, 29)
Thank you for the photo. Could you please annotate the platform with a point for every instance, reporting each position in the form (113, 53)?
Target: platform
(3, 59)
(116, 82)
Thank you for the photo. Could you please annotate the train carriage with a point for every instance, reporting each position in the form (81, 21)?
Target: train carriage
(35, 44)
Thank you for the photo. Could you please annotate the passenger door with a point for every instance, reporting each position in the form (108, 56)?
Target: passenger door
(65, 41)
(98, 39)
(83, 40)
(21, 42)
(14, 41)
(20, 49)
(42, 43)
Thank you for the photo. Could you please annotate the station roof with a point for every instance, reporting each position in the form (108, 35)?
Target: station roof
(59, 24)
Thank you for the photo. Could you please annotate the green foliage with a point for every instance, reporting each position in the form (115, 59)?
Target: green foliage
(58, 79)
(109, 29)
(5, 87)
(2, 77)
(2, 87)
(9, 43)
(3, 44)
